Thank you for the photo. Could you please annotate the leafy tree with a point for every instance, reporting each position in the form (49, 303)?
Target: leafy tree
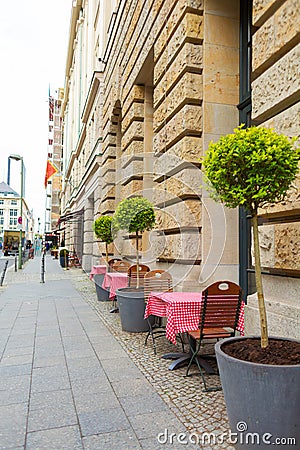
(134, 215)
(249, 168)
(103, 230)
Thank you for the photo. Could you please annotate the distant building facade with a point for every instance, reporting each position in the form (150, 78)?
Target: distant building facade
(10, 212)
(148, 86)
(55, 148)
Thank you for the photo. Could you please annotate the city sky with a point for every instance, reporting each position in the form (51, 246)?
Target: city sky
(33, 50)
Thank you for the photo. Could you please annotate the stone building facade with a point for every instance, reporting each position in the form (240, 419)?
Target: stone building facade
(148, 85)
(53, 184)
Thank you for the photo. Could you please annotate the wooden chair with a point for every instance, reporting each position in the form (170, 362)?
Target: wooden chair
(111, 262)
(132, 274)
(156, 281)
(120, 266)
(218, 319)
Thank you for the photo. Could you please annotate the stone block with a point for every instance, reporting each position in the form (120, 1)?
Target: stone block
(133, 187)
(187, 90)
(190, 27)
(226, 8)
(277, 32)
(135, 95)
(134, 169)
(266, 246)
(190, 57)
(287, 122)
(219, 119)
(179, 246)
(107, 206)
(109, 178)
(134, 132)
(287, 246)
(275, 86)
(220, 30)
(260, 9)
(185, 182)
(186, 121)
(134, 148)
(187, 150)
(135, 113)
(183, 214)
(221, 74)
(109, 191)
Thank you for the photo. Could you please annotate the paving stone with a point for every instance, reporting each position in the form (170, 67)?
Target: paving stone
(103, 421)
(129, 387)
(13, 370)
(117, 440)
(49, 399)
(54, 383)
(16, 360)
(52, 417)
(65, 438)
(12, 439)
(140, 404)
(96, 401)
(12, 396)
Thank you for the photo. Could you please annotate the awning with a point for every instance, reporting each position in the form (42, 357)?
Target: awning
(74, 216)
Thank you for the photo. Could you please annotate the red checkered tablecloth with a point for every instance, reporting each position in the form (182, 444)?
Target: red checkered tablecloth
(114, 281)
(182, 310)
(96, 270)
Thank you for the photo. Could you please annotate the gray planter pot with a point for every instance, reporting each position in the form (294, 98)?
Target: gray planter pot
(64, 261)
(102, 294)
(132, 305)
(262, 400)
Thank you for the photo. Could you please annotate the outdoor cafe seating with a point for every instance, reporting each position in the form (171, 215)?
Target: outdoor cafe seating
(219, 318)
(182, 311)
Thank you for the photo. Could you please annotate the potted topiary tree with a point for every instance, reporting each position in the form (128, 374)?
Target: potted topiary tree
(134, 215)
(102, 227)
(249, 168)
(103, 231)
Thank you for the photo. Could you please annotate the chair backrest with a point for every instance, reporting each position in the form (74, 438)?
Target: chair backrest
(157, 281)
(120, 266)
(221, 305)
(132, 274)
(111, 262)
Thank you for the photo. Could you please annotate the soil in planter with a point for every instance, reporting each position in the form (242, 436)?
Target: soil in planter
(278, 352)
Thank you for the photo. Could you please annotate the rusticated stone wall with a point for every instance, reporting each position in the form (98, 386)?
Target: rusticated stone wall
(157, 76)
(276, 104)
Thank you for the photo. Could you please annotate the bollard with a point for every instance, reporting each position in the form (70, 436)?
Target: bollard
(3, 273)
(43, 269)
(16, 264)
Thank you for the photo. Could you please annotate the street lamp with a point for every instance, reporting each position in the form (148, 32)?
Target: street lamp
(20, 158)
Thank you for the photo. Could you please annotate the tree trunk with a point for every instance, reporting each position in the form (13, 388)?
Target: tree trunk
(259, 286)
(137, 259)
(106, 251)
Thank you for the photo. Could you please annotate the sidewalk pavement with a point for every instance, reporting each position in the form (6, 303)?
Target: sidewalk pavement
(66, 382)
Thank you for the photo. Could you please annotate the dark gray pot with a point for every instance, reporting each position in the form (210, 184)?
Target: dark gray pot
(64, 261)
(102, 294)
(132, 305)
(264, 397)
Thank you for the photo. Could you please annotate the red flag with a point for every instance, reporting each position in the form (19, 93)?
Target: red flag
(50, 170)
